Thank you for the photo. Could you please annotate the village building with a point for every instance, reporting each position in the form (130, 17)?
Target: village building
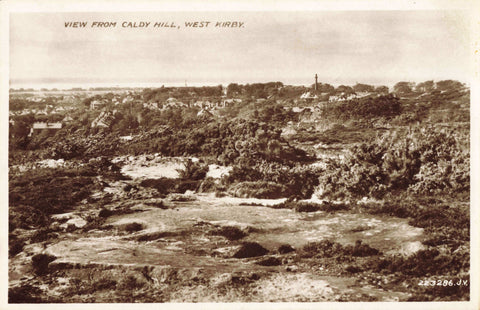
(104, 120)
(38, 127)
(204, 112)
(95, 104)
(230, 102)
(67, 119)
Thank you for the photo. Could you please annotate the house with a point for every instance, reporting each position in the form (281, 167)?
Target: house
(203, 104)
(204, 112)
(104, 120)
(67, 119)
(95, 104)
(309, 96)
(230, 102)
(38, 127)
(151, 105)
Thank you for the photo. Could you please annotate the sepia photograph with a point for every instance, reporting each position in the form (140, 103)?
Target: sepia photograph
(239, 156)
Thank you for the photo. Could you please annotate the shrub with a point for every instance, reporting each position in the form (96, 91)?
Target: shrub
(208, 185)
(50, 191)
(285, 248)
(104, 284)
(307, 207)
(250, 249)
(132, 227)
(23, 294)
(105, 213)
(298, 179)
(42, 234)
(131, 283)
(15, 245)
(230, 232)
(383, 106)
(361, 250)
(40, 263)
(186, 185)
(327, 248)
(426, 263)
(163, 185)
(323, 248)
(193, 171)
(270, 261)
(422, 161)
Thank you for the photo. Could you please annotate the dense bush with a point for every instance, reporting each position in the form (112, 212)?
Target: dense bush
(382, 106)
(425, 263)
(132, 227)
(327, 248)
(193, 171)
(226, 140)
(230, 232)
(40, 263)
(444, 223)
(35, 195)
(250, 249)
(425, 160)
(25, 294)
(275, 180)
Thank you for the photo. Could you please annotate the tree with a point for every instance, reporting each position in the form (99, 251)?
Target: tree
(87, 101)
(425, 87)
(19, 131)
(403, 88)
(449, 85)
(325, 88)
(382, 90)
(233, 89)
(344, 89)
(363, 88)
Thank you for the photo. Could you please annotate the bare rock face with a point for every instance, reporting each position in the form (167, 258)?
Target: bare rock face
(73, 223)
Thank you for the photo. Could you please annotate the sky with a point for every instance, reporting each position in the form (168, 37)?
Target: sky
(342, 47)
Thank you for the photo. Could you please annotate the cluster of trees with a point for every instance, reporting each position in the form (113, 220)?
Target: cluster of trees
(19, 104)
(225, 140)
(280, 91)
(357, 88)
(367, 107)
(257, 90)
(410, 88)
(183, 93)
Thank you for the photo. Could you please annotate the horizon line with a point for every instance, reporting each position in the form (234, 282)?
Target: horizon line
(70, 85)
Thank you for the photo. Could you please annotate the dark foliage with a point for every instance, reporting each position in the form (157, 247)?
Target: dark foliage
(24, 294)
(382, 106)
(132, 227)
(250, 249)
(40, 263)
(285, 248)
(270, 261)
(327, 248)
(230, 232)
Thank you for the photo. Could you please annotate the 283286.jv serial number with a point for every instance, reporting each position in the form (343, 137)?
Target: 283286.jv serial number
(443, 282)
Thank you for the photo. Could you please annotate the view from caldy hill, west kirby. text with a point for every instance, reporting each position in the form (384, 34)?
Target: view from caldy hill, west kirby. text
(242, 192)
